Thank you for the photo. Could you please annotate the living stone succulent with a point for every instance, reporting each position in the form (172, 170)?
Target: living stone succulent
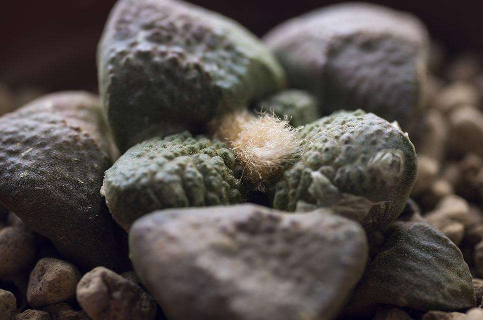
(166, 66)
(200, 111)
(356, 163)
(356, 55)
(418, 267)
(53, 155)
(177, 171)
(299, 106)
(248, 262)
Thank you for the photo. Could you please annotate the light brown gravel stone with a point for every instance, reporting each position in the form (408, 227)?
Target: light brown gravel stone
(52, 281)
(63, 311)
(466, 130)
(8, 304)
(478, 259)
(17, 251)
(450, 217)
(391, 313)
(33, 315)
(474, 314)
(105, 295)
(457, 95)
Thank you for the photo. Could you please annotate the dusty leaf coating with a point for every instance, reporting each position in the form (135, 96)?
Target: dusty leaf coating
(300, 107)
(52, 162)
(248, 262)
(356, 163)
(356, 55)
(177, 171)
(419, 268)
(166, 65)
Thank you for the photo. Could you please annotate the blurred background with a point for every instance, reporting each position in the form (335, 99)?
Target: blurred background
(52, 43)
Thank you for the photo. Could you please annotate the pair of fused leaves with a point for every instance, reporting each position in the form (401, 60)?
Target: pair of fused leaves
(177, 171)
(167, 66)
(358, 164)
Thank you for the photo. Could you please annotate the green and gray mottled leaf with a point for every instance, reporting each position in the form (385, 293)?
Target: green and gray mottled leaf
(167, 65)
(177, 171)
(356, 163)
(300, 107)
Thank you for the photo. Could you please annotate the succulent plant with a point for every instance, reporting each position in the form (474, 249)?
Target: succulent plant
(53, 154)
(166, 66)
(177, 171)
(248, 262)
(356, 163)
(356, 55)
(300, 107)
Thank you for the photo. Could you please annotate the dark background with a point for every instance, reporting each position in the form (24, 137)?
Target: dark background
(52, 43)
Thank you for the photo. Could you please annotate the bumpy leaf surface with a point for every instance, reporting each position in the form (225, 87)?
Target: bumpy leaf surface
(166, 65)
(177, 171)
(356, 163)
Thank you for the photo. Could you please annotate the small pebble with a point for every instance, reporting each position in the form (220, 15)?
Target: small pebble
(440, 315)
(432, 142)
(33, 315)
(17, 250)
(427, 172)
(478, 259)
(466, 67)
(474, 314)
(478, 285)
(450, 217)
(63, 311)
(8, 304)
(105, 295)
(457, 95)
(391, 313)
(466, 130)
(52, 281)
